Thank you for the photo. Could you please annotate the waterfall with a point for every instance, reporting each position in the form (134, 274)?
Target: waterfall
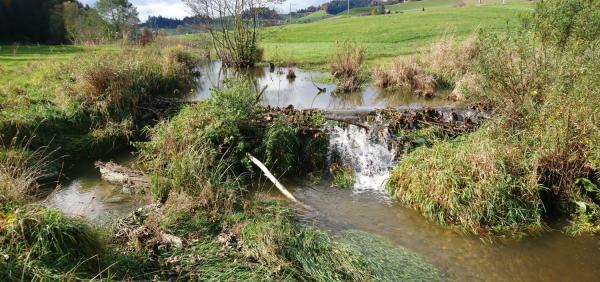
(368, 152)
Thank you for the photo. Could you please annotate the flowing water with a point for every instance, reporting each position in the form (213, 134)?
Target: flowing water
(368, 153)
(551, 256)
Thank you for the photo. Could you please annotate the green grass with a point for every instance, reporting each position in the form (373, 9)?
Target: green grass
(384, 36)
(313, 17)
(18, 63)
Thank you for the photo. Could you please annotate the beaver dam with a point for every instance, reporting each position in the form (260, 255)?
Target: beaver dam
(363, 143)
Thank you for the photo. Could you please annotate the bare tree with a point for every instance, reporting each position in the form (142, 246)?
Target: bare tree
(234, 26)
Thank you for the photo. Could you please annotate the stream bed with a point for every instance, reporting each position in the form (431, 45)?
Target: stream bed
(551, 256)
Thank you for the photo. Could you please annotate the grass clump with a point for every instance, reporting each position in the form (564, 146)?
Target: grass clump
(342, 176)
(22, 172)
(296, 252)
(40, 244)
(474, 182)
(346, 67)
(405, 74)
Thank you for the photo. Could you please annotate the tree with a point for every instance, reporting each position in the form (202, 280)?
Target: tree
(83, 24)
(234, 26)
(120, 14)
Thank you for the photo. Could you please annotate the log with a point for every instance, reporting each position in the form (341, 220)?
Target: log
(279, 186)
(120, 175)
(348, 121)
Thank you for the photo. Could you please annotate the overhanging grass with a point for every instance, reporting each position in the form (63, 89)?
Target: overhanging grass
(478, 183)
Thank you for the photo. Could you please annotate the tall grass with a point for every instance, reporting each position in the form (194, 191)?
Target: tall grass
(22, 171)
(94, 102)
(40, 244)
(346, 66)
(405, 74)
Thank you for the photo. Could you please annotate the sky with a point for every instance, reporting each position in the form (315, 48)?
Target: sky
(176, 8)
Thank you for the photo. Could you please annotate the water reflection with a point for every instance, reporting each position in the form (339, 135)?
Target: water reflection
(302, 92)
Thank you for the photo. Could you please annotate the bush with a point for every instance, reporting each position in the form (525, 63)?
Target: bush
(346, 66)
(539, 154)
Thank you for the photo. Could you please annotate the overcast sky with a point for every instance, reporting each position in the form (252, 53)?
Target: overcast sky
(176, 8)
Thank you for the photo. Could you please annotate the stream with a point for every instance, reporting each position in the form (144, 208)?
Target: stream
(551, 256)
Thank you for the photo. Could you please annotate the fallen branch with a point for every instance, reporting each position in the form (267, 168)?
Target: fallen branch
(279, 186)
(120, 175)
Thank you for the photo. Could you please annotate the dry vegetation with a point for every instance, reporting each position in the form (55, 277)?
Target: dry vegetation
(405, 73)
(346, 66)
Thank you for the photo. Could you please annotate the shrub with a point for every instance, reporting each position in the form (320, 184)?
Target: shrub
(405, 74)
(346, 66)
(449, 60)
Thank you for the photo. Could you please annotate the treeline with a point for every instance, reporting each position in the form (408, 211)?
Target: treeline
(65, 21)
(159, 22)
(338, 6)
(32, 21)
(163, 22)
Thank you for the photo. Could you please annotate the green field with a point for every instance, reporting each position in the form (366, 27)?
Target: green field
(313, 17)
(20, 62)
(388, 35)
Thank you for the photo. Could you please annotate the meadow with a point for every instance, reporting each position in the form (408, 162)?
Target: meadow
(390, 35)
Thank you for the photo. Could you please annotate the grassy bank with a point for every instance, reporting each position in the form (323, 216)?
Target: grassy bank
(77, 101)
(384, 36)
(536, 160)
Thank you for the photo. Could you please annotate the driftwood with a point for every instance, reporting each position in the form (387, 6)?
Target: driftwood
(120, 175)
(279, 186)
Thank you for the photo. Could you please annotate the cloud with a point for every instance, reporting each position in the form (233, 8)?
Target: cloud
(176, 8)
(165, 8)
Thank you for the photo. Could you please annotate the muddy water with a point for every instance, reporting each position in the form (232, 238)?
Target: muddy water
(86, 194)
(549, 257)
(302, 93)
